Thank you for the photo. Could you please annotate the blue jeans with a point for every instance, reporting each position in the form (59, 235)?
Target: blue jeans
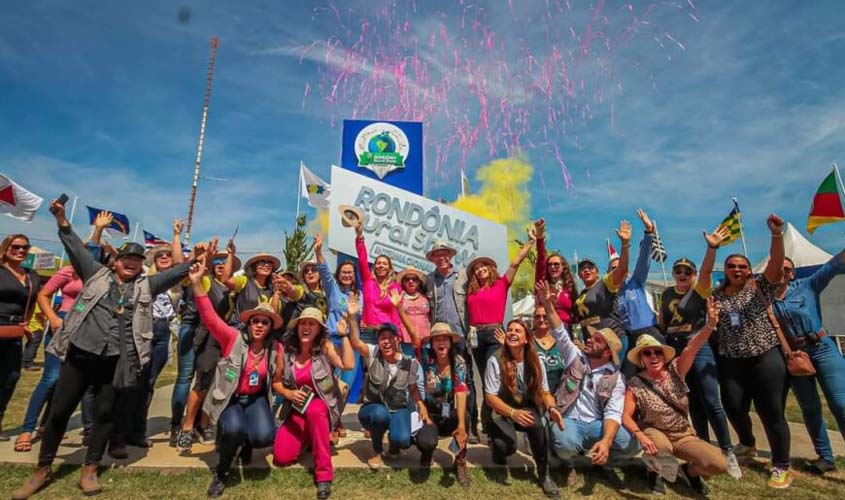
(247, 420)
(705, 403)
(830, 373)
(185, 359)
(52, 366)
(578, 437)
(377, 419)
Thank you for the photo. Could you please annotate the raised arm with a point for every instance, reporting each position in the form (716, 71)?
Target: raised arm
(361, 250)
(714, 240)
(567, 348)
(774, 269)
(821, 278)
(160, 282)
(102, 221)
(520, 256)
(224, 334)
(687, 356)
(178, 256)
(227, 277)
(540, 264)
(624, 233)
(354, 333)
(80, 258)
(318, 249)
(640, 274)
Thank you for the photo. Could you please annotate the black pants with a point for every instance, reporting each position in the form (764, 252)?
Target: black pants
(10, 371)
(503, 434)
(30, 350)
(79, 371)
(762, 379)
(427, 437)
(487, 347)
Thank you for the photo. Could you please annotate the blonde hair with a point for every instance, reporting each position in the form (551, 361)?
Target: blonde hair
(7, 242)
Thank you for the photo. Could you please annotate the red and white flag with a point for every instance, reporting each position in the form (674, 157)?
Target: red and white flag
(16, 201)
(611, 252)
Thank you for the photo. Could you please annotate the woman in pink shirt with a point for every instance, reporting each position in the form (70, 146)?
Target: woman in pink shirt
(555, 270)
(376, 286)
(238, 400)
(487, 297)
(66, 281)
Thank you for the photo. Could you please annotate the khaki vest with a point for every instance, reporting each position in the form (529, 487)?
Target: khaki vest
(327, 388)
(223, 387)
(94, 290)
(570, 385)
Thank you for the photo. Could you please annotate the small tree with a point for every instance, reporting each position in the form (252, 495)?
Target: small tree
(297, 247)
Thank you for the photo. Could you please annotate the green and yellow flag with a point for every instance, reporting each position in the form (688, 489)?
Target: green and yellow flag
(733, 224)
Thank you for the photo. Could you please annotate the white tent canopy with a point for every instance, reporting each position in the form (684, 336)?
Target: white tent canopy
(799, 249)
(523, 307)
(805, 254)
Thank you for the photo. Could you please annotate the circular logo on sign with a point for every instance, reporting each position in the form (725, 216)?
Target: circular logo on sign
(382, 148)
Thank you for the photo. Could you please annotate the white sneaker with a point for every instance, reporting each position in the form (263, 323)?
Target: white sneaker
(733, 464)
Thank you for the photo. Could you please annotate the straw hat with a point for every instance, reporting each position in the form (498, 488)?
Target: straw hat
(350, 216)
(308, 313)
(646, 341)
(263, 256)
(487, 261)
(262, 309)
(439, 245)
(236, 262)
(413, 271)
(611, 339)
(441, 329)
(150, 255)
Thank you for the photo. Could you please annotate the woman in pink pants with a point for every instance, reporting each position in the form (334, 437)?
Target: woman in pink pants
(313, 402)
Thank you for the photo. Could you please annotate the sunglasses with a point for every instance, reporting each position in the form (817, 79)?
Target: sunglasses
(163, 254)
(788, 270)
(259, 321)
(18, 248)
(409, 278)
(264, 262)
(218, 262)
(737, 266)
(540, 316)
(685, 271)
(555, 264)
(310, 269)
(651, 352)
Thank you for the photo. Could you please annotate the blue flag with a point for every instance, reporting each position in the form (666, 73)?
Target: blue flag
(119, 223)
(151, 240)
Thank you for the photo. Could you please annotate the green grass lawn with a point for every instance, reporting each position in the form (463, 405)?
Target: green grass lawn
(404, 484)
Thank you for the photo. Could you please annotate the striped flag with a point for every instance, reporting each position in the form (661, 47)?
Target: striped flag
(151, 240)
(733, 224)
(827, 204)
(658, 253)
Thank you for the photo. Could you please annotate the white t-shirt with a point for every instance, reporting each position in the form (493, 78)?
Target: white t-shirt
(493, 376)
(392, 368)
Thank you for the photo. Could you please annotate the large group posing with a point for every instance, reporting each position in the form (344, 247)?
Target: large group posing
(599, 373)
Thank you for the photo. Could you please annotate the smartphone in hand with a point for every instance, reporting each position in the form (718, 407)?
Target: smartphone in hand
(61, 201)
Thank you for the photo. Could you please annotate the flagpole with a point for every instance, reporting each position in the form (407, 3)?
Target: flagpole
(741, 230)
(135, 235)
(663, 261)
(299, 189)
(839, 178)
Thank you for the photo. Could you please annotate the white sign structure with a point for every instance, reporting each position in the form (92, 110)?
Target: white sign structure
(404, 226)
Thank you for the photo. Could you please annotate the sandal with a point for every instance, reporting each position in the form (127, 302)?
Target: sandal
(23, 443)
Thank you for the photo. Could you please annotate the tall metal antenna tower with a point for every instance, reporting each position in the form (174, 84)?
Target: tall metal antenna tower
(213, 43)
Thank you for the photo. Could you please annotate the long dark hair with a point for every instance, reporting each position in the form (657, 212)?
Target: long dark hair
(354, 287)
(566, 275)
(533, 368)
(291, 341)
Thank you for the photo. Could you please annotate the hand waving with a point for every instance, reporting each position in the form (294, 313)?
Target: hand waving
(624, 231)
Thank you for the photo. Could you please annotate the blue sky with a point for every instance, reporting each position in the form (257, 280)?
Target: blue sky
(706, 101)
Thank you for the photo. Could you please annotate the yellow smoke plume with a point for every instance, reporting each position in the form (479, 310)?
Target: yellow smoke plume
(504, 197)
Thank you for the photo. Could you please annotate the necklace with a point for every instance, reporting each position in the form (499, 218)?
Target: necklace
(256, 360)
(119, 307)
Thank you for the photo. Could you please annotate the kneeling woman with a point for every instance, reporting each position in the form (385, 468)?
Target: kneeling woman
(517, 390)
(445, 394)
(658, 394)
(239, 398)
(391, 383)
(313, 402)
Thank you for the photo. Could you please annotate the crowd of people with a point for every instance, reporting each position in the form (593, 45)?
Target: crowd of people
(266, 357)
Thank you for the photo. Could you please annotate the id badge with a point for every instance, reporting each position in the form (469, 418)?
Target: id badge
(253, 379)
(230, 374)
(446, 411)
(734, 318)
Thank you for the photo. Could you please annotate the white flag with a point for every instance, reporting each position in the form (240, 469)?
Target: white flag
(17, 201)
(314, 189)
